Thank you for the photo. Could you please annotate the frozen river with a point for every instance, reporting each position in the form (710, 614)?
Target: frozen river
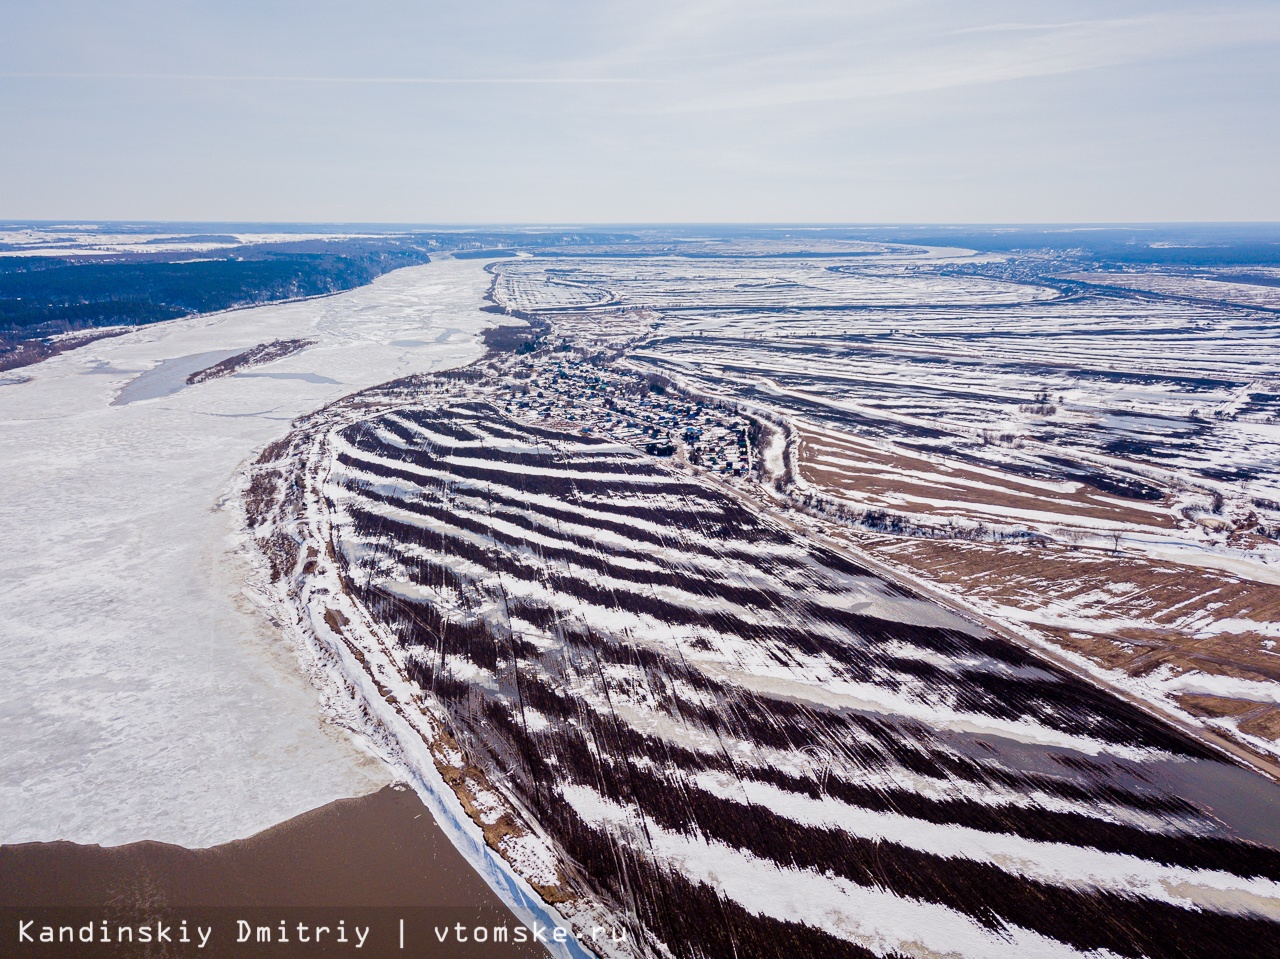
(144, 695)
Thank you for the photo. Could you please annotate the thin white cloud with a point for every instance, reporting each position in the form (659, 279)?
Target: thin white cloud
(1037, 27)
(668, 109)
(853, 60)
(272, 78)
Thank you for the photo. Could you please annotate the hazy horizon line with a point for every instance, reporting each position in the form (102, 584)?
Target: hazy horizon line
(84, 223)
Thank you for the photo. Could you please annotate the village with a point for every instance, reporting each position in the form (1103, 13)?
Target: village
(602, 400)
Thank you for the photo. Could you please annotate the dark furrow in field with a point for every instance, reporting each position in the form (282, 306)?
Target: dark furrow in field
(651, 657)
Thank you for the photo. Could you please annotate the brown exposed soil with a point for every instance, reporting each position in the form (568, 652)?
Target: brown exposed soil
(1214, 706)
(878, 477)
(1265, 724)
(469, 780)
(336, 620)
(1123, 612)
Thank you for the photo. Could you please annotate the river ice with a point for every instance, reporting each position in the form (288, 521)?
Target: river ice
(144, 696)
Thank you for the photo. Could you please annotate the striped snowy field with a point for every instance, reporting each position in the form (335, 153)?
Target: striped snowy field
(750, 745)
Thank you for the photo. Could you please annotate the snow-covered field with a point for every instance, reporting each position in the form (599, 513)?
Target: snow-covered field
(144, 695)
(945, 410)
(90, 241)
(1209, 289)
(678, 284)
(645, 692)
(572, 596)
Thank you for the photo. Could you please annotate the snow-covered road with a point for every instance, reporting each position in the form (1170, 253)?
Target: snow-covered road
(143, 695)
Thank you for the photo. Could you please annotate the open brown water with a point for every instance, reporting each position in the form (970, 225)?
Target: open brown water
(366, 862)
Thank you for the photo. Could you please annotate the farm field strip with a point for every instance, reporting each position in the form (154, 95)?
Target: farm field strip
(680, 284)
(651, 704)
(582, 589)
(1265, 295)
(1119, 423)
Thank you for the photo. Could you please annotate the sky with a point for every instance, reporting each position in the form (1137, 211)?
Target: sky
(582, 111)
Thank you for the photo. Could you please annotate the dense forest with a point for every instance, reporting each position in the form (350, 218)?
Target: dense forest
(51, 295)
(43, 296)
